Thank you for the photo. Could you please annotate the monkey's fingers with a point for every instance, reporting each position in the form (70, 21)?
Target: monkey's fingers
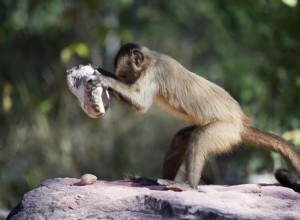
(92, 83)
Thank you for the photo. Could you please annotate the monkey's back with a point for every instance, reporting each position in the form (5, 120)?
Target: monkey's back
(192, 97)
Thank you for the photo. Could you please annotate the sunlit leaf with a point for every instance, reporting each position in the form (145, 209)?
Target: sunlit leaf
(290, 3)
(65, 54)
(293, 136)
(46, 106)
(7, 101)
(81, 49)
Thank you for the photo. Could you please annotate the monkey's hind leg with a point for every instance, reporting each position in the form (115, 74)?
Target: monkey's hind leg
(216, 137)
(176, 155)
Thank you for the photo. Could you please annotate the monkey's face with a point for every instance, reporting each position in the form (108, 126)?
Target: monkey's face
(129, 63)
(126, 72)
(93, 101)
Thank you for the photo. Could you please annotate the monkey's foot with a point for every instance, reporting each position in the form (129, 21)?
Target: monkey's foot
(142, 180)
(168, 184)
(173, 185)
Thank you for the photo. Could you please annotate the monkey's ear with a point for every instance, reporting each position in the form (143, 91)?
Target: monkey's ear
(137, 57)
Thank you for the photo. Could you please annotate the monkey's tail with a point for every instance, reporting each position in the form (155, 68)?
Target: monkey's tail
(255, 137)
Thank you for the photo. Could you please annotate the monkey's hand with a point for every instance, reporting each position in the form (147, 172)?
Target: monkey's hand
(98, 80)
(82, 82)
(104, 79)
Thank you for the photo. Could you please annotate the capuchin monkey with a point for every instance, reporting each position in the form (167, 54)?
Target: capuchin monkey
(218, 124)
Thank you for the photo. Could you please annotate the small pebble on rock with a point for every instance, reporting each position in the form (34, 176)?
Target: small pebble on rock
(88, 179)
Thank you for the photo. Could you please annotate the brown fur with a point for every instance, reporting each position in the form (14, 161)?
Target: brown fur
(257, 138)
(219, 123)
(176, 154)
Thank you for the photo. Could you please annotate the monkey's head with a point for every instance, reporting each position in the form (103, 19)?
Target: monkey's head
(130, 62)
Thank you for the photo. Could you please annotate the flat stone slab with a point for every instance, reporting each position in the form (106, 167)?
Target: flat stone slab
(65, 198)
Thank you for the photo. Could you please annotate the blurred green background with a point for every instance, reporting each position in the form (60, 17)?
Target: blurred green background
(251, 48)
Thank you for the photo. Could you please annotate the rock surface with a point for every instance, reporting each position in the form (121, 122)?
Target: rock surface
(65, 198)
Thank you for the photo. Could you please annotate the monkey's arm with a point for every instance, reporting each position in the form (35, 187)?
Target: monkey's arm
(114, 92)
(135, 95)
(107, 73)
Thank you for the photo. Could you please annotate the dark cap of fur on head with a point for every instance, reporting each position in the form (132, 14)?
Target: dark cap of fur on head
(125, 50)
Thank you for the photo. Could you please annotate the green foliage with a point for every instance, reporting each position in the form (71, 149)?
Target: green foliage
(251, 48)
(80, 49)
(293, 136)
(290, 3)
